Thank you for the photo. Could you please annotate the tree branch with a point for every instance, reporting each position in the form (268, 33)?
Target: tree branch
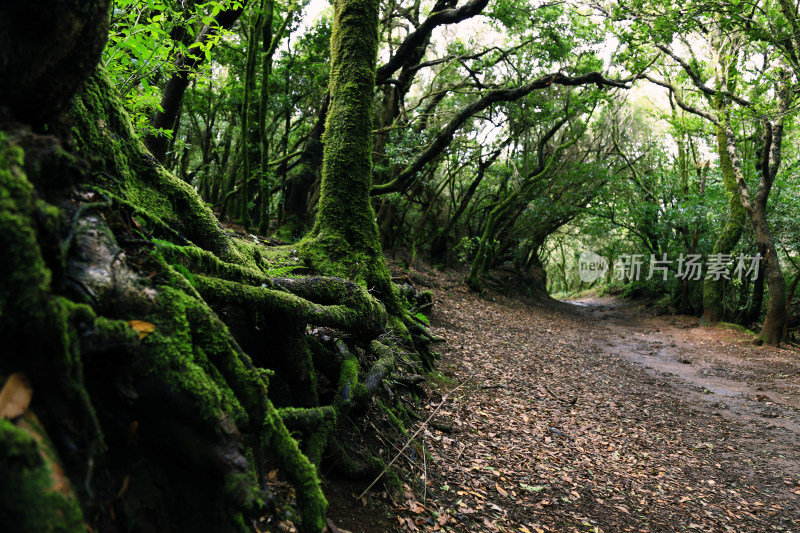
(421, 34)
(705, 89)
(445, 137)
(681, 103)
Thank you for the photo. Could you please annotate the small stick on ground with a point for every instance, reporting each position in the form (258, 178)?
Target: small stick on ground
(573, 401)
(421, 427)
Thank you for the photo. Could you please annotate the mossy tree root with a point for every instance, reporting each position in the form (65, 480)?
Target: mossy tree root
(195, 395)
(366, 320)
(177, 408)
(316, 425)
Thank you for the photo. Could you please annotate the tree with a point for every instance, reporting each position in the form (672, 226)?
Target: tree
(113, 295)
(185, 65)
(770, 160)
(344, 240)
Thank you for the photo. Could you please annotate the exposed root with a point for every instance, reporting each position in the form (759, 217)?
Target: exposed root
(164, 357)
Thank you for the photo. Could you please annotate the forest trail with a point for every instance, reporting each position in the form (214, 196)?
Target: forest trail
(599, 416)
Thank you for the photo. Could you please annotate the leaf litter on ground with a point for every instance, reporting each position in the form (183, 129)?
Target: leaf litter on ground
(551, 433)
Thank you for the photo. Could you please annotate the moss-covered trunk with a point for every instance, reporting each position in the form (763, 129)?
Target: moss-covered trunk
(136, 379)
(713, 304)
(345, 241)
(149, 335)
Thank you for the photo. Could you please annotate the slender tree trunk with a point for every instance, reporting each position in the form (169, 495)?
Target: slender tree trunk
(486, 246)
(772, 330)
(249, 140)
(439, 245)
(172, 99)
(713, 301)
(731, 232)
(753, 312)
(265, 182)
(296, 217)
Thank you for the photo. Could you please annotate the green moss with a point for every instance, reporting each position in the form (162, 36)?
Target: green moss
(347, 391)
(190, 358)
(366, 320)
(37, 329)
(24, 278)
(731, 326)
(713, 304)
(104, 134)
(292, 229)
(29, 499)
(317, 425)
(390, 414)
(301, 472)
(437, 378)
(218, 379)
(177, 361)
(398, 328)
(345, 241)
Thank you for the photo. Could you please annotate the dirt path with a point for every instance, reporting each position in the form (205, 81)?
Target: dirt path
(718, 369)
(601, 417)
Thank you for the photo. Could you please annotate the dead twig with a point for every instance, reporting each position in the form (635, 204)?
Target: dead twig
(410, 440)
(573, 401)
(461, 453)
(561, 433)
(386, 440)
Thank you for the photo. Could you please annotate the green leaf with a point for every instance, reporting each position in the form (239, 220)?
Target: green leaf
(533, 488)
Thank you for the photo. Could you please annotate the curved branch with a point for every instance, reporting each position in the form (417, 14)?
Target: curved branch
(681, 103)
(421, 34)
(705, 89)
(445, 137)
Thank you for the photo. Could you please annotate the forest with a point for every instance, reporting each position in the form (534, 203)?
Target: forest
(253, 251)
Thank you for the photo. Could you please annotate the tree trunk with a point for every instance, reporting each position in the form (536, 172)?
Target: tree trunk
(345, 241)
(296, 218)
(172, 99)
(250, 141)
(485, 255)
(772, 330)
(112, 288)
(265, 183)
(712, 289)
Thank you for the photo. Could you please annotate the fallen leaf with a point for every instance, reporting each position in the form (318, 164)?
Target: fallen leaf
(533, 488)
(142, 327)
(500, 490)
(15, 396)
